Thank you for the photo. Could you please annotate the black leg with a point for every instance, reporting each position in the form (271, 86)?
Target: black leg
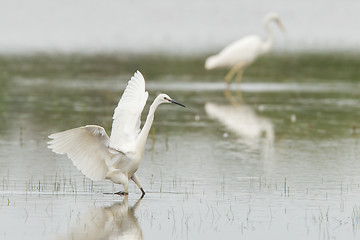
(143, 192)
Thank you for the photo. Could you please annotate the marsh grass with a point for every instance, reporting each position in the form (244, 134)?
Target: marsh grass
(47, 185)
(279, 67)
(355, 219)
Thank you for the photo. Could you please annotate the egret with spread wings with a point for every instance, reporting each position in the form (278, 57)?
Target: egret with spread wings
(116, 158)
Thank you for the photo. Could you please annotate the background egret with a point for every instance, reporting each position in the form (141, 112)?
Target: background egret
(116, 158)
(244, 51)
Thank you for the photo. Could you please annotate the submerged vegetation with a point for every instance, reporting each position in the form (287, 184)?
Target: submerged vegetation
(279, 67)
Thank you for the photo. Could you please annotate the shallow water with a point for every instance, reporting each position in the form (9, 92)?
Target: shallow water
(283, 165)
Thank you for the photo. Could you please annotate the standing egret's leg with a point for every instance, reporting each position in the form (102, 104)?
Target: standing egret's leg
(239, 75)
(231, 73)
(126, 190)
(238, 80)
(137, 182)
(120, 178)
(235, 69)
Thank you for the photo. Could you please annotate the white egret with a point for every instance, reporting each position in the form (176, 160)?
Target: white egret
(116, 158)
(243, 52)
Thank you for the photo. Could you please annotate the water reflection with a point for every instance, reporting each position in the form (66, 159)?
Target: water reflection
(115, 222)
(243, 121)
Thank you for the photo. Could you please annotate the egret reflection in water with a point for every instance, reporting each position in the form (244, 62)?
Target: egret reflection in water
(243, 121)
(117, 221)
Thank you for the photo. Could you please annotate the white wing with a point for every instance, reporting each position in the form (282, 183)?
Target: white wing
(126, 119)
(243, 51)
(87, 147)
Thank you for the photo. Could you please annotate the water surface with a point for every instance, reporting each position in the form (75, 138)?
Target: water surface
(283, 165)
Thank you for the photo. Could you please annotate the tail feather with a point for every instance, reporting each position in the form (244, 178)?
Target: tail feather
(211, 62)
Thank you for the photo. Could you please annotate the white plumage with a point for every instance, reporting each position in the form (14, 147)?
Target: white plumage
(243, 52)
(126, 119)
(84, 146)
(116, 158)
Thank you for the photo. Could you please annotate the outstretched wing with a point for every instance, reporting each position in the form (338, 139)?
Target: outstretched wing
(126, 119)
(86, 146)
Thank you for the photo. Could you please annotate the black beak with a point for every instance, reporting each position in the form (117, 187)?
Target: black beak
(172, 101)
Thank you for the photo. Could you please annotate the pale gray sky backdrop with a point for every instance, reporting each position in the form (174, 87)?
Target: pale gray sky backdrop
(166, 26)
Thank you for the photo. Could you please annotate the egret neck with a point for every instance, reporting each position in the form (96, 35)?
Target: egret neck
(267, 45)
(147, 126)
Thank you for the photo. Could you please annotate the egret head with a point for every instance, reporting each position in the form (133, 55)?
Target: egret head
(164, 98)
(272, 16)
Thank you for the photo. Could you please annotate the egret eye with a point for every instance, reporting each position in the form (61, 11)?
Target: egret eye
(165, 98)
